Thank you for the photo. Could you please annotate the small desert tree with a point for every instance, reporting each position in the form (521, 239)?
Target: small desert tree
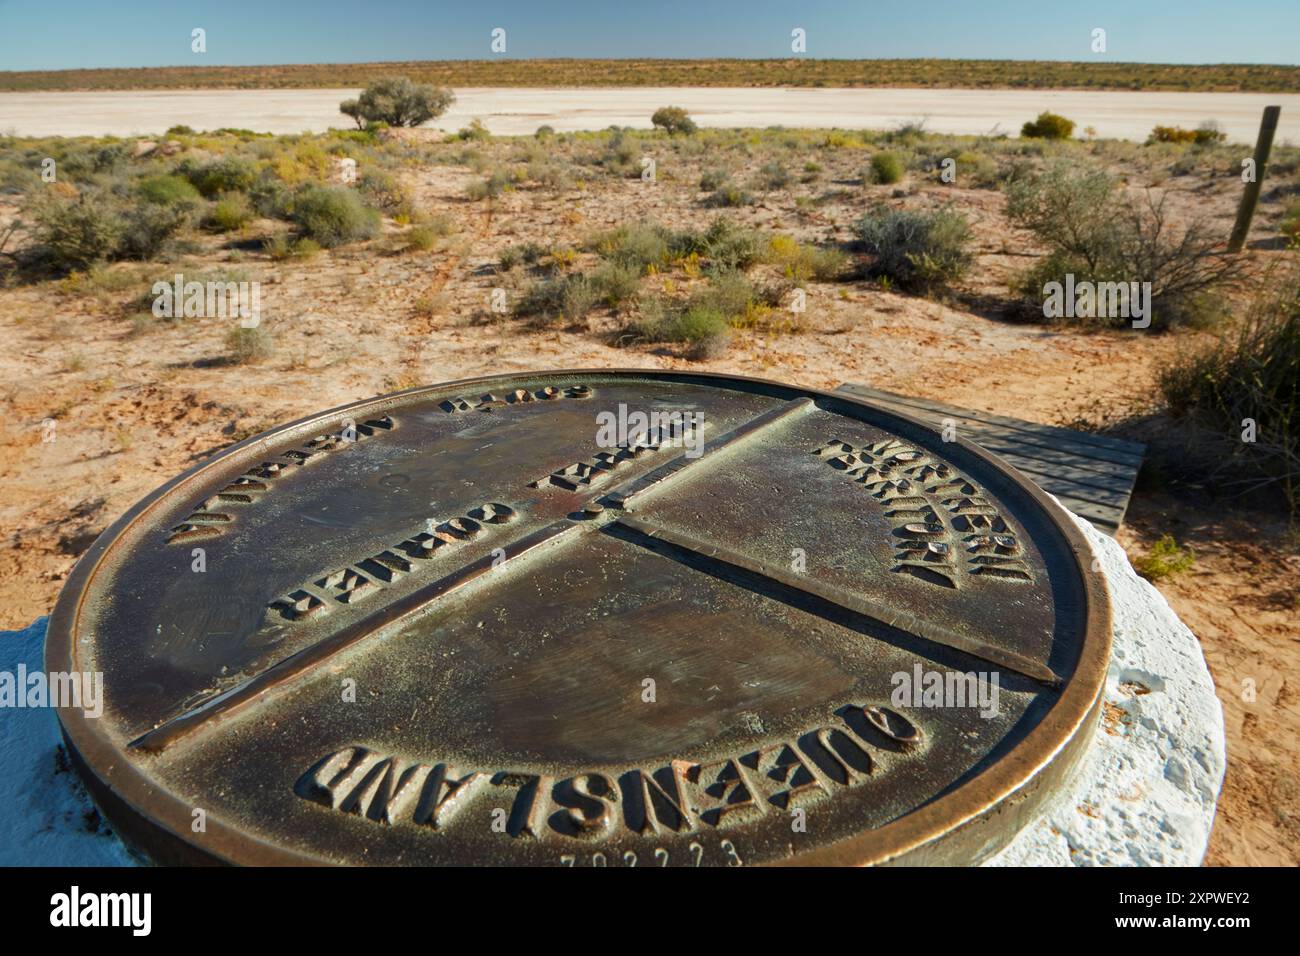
(1048, 126)
(674, 119)
(352, 109)
(398, 102)
(1098, 232)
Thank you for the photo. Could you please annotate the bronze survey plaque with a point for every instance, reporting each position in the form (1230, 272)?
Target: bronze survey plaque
(609, 618)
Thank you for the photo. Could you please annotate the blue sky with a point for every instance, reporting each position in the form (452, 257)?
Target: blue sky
(64, 34)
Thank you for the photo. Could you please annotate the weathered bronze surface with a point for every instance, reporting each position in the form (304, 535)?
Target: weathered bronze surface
(464, 624)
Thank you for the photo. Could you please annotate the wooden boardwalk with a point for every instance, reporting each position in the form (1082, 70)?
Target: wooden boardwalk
(1090, 474)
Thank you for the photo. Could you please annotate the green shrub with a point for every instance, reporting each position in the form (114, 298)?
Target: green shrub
(271, 198)
(1048, 126)
(579, 296)
(1070, 207)
(1207, 134)
(398, 102)
(228, 213)
(616, 283)
(17, 174)
(773, 176)
(226, 175)
(550, 175)
(727, 247)
(1171, 134)
(544, 132)
(907, 133)
(78, 234)
(704, 330)
(384, 190)
(498, 182)
(569, 297)
(93, 229)
(622, 153)
(77, 162)
(474, 132)
(420, 238)
(1290, 224)
(1098, 234)
(712, 179)
(168, 190)
(647, 325)
(427, 234)
(823, 263)
(729, 294)
(665, 321)
(711, 346)
(367, 135)
(976, 170)
(1187, 163)
(147, 227)
(249, 345)
(1165, 560)
(304, 248)
(529, 253)
(98, 228)
(279, 247)
(802, 262)
(673, 119)
(923, 251)
(886, 168)
(729, 195)
(1251, 374)
(333, 215)
(633, 246)
(694, 324)
(439, 226)
(110, 156)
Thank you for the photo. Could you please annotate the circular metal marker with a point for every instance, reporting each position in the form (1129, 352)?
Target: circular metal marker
(586, 618)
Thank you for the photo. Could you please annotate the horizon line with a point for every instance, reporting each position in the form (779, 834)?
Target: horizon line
(654, 59)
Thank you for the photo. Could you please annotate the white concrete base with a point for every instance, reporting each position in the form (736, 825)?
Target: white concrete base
(46, 816)
(1144, 792)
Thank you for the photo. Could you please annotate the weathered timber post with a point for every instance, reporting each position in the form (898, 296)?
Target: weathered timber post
(1250, 198)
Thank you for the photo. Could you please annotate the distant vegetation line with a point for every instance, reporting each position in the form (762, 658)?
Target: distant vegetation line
(970, 74)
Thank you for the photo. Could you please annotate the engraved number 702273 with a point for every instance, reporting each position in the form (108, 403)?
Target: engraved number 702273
(661, 858)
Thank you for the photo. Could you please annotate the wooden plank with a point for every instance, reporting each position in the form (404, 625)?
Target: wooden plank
(1112, 510)
(1103, 519)
(1090, 475)
(1105, 473)
(1038, 436)
(1065, 469)
(1051, 450)
(1133, 450)
(1098, 514)
(1064, 486)
(1103, 441)
(1048, 443)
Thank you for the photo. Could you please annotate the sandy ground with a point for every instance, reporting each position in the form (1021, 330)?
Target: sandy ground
(1239, 599)
(1118, 115)
(134, 406)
